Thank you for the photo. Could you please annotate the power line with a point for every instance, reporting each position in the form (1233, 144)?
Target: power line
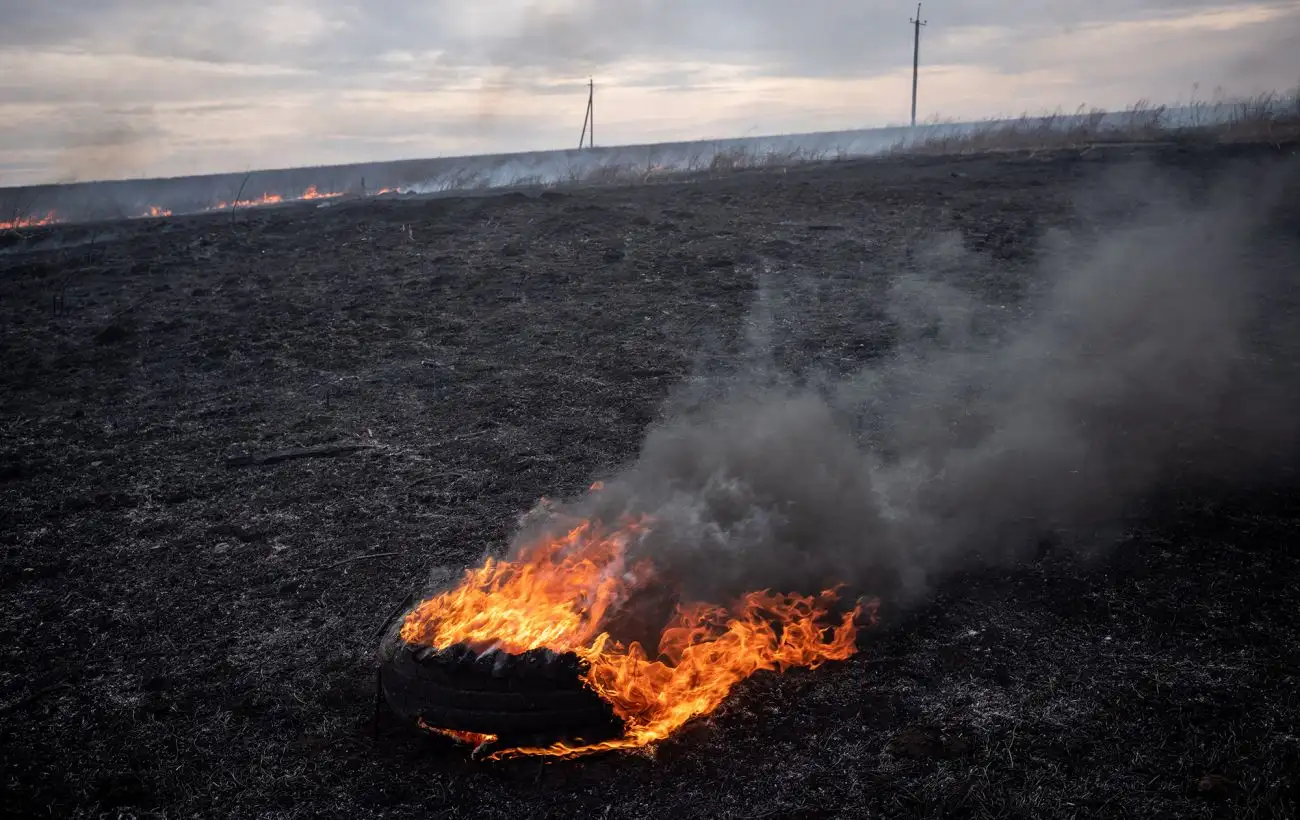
(916, 56)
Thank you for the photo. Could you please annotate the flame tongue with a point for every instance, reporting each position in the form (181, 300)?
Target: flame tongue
(706, 650)
(555, 595)
(561, 593)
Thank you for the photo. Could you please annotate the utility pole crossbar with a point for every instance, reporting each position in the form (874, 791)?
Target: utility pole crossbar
(916, 56)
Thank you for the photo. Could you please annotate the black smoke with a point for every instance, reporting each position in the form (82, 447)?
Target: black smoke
(1151, 346)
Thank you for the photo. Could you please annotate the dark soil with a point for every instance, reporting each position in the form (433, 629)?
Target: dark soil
(202, 419)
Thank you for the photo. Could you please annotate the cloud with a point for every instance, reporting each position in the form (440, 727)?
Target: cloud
(813, 37)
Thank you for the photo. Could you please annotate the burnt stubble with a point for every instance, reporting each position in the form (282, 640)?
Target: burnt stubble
(205, 421)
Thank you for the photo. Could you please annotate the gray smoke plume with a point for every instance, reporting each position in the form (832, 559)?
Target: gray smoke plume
(1145, 352)
(99, 142)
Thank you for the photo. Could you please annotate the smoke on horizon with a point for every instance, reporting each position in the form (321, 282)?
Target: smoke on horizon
(1144, 351)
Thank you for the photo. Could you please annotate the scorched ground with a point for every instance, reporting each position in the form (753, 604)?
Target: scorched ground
(217, 420)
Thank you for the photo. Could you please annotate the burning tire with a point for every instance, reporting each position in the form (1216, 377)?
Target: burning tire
(576, 594)
(532, 699)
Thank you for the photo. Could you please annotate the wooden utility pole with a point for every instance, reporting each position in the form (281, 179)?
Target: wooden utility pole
(589, 120)
(916, 57)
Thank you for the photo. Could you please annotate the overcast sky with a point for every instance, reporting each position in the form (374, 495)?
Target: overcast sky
(111, 88)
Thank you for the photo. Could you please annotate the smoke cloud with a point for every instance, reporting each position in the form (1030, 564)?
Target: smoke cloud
(103, 143)
(1147, 348)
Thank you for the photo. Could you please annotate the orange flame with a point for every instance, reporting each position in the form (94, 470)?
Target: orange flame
(156, 211)
(29, 222)
(274, 199)
(559, 594)
(470, 738)
(264, 199)
(312, 193)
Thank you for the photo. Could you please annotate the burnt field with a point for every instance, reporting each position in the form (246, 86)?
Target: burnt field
(231, 447)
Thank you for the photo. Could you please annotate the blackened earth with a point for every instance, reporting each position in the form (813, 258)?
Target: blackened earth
(203, 419)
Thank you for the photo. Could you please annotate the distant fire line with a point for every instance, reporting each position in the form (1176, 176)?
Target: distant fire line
(156, 212)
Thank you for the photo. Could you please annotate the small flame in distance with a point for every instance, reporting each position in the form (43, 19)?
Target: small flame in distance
(158, 212)
(29, 222)
(559, 592)
(311, 193)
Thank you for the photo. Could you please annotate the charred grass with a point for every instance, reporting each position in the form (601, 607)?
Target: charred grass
(202, 423)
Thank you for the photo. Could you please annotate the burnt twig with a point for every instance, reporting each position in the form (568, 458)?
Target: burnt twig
(356, 558)
(33, 697)
(379, 698)
(392, 615)
(128, 308)
(323, 451)
(234, 203)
